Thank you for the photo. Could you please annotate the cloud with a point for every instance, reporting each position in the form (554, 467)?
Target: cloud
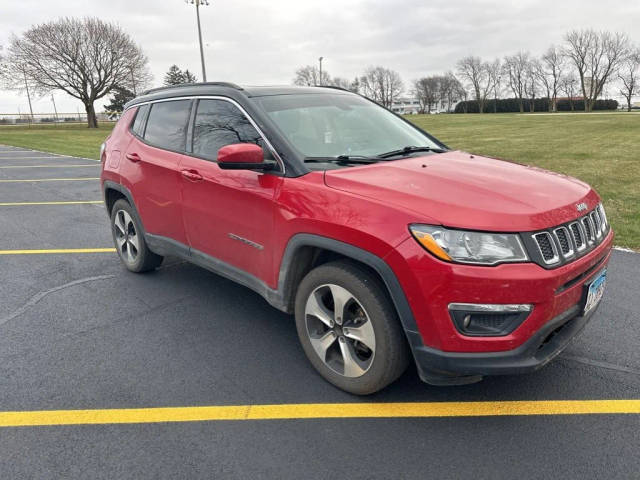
(259, 42)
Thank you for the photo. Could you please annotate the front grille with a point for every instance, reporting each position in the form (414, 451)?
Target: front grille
(595, 219)
(578, 238)
(562, 235)
(586, 223)
(547, 247)
(559, 245)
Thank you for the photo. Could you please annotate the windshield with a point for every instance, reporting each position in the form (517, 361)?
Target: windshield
(334, 125)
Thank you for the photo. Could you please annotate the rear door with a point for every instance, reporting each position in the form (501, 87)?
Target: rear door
(228, 214)
(151, 167)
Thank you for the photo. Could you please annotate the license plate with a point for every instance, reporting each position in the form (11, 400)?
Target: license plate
(595, 292)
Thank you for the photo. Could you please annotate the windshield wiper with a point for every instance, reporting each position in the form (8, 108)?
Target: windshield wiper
(408, 150)
(343, 159)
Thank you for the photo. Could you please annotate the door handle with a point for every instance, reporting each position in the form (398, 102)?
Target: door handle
(133, 157)
(192, 175)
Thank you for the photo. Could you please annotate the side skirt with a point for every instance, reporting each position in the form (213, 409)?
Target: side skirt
(165, 246)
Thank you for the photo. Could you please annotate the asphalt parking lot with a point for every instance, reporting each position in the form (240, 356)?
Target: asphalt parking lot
(78, 332)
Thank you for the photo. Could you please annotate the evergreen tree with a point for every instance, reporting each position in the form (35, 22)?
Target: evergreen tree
(120, 97)
(174, 76)
(189, 77)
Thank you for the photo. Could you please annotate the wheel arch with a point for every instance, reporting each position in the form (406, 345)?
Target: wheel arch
(306, 251)
(112, 192)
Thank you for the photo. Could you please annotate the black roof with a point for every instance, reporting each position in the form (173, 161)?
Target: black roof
(228, 89)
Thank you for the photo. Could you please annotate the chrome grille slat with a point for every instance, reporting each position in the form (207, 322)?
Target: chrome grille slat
(578, 236)
(564, 240)
(562, 244)
(547, 248)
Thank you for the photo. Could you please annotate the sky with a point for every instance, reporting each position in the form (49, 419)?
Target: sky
(259, 42)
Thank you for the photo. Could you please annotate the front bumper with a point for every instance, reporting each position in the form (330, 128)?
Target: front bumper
(454, 368)
(445, 356)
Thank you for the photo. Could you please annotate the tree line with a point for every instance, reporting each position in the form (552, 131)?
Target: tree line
(576, 72)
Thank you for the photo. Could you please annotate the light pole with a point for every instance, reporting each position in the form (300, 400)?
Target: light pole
(197, 3)
(320, 80)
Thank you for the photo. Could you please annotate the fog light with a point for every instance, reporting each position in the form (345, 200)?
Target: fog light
(488, 320)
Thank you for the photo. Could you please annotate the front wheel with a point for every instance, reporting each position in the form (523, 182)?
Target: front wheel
(129, 240)
(349, 329)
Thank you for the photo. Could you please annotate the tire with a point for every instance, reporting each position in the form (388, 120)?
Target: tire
(364, 349)
(129, 239)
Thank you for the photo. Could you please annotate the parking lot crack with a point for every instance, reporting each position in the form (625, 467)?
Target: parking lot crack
(39, 296)
(601, 364)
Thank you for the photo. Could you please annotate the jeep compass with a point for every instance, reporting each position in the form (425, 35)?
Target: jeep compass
(386, 245)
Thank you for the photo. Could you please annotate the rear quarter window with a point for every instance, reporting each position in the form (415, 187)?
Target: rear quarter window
(138, 123)
(167, 124)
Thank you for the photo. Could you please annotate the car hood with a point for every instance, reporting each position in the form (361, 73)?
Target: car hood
(457, 189)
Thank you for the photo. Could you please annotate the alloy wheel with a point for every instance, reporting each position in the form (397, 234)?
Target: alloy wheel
(127, 240)
(340, 330)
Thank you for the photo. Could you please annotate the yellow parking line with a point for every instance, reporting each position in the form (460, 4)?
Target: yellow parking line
(48, 180)
(319, 410)
(50, 166)
(21, 204)
(57, 250)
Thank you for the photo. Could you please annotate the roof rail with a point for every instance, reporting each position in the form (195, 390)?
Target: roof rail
(182, 85)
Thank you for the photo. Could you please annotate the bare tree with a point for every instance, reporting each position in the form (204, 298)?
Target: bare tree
(381, 85)
(515, 69)
(531, 85)
(597, 57)
(309, 76)
(453, 90)
(569, 86)
(549, 70)
(428, 91)
(86, 58)
(629, 77)
(543, 81)
(495, 74)
(476, 73)
(340, 82)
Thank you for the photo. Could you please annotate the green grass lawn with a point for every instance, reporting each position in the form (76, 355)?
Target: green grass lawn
(601, 149)
(67, 139)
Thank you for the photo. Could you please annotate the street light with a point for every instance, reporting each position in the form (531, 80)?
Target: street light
(320, 80)
(197, 3)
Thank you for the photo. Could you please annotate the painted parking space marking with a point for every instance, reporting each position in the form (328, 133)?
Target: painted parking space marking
(70, 202)
(13, 157)
(50, 166)
(318, 411)
(48, 180)
(57, 251)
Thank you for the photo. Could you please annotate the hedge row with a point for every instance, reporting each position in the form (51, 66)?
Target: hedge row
(507, 105)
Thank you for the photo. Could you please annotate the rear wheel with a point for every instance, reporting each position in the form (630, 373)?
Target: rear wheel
(349, 329)
(129, 240)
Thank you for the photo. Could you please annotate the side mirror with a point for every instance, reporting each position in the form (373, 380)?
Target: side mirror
(242, 156)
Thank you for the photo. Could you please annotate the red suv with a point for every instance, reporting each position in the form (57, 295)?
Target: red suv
(385, 244)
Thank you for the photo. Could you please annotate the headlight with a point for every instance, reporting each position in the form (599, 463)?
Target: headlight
(463, 246)
(102, 149)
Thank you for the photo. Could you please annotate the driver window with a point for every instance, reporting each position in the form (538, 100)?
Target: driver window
(219, 123)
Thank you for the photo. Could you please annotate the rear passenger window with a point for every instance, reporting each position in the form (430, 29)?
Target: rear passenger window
(219, 123)
(167, 124)
(138, 123)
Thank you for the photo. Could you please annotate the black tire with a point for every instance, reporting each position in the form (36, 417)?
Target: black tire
(390, 354)
(144, 259)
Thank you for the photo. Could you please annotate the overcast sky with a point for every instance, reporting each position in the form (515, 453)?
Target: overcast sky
(263, 42)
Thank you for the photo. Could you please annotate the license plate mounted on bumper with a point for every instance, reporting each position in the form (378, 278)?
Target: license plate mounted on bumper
(594, 292)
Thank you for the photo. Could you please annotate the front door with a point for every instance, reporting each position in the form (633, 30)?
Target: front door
(228, 214)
